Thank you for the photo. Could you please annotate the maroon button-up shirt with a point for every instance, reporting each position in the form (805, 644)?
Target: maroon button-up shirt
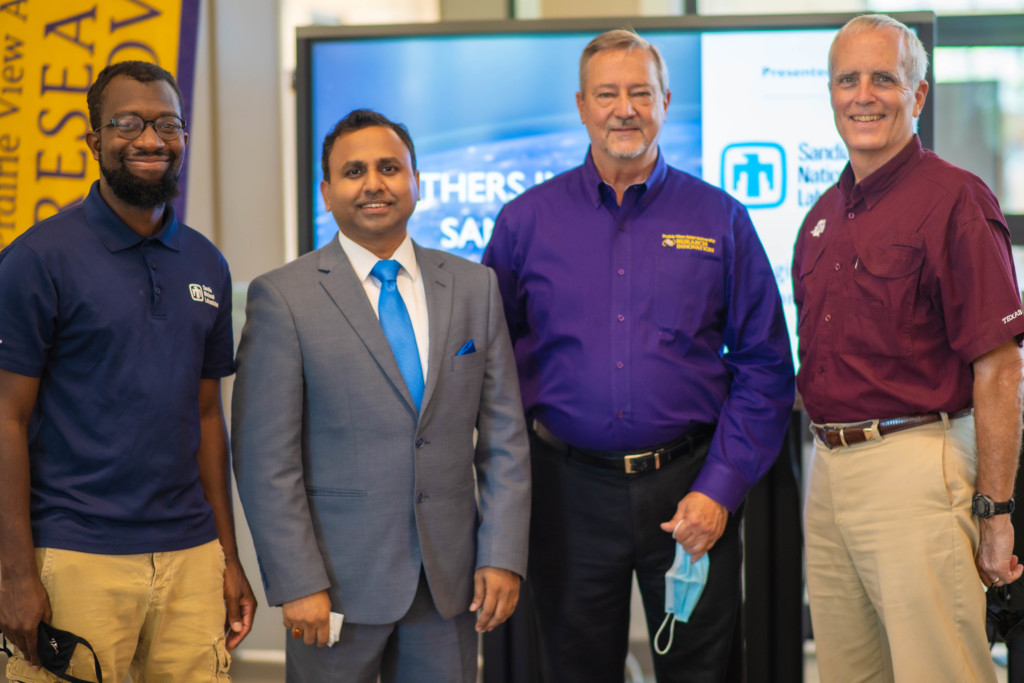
(901, 281)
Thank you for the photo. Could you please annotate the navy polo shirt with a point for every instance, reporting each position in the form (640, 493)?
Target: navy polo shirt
(120, 329)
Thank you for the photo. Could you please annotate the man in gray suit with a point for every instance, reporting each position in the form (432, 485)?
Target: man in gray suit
(354, 450)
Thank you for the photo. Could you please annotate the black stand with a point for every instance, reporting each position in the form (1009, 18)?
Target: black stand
(773, 569)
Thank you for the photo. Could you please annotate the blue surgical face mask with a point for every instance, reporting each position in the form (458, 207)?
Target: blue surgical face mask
(684, 583)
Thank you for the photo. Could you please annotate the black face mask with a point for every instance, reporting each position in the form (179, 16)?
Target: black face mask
(56, 648)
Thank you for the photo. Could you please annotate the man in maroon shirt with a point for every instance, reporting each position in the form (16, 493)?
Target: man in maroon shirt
(910, 319)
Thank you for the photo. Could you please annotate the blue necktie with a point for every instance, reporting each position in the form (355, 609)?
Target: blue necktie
(394, 318)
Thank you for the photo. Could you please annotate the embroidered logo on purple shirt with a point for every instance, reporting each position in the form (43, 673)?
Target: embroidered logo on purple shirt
(690, 242)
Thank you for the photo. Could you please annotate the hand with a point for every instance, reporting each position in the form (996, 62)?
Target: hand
(698, 523)
(23, 604)
(241, 604)
(495, 594)
(995, 559)
(311, 615)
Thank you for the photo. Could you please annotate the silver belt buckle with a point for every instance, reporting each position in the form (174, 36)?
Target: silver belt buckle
(634, 466)
(871, 433)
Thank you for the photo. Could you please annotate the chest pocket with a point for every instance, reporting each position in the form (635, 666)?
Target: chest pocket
(881, 296)
(813, 248)
(689, 291)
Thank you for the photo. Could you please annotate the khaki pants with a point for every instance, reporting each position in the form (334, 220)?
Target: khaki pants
(894, 592)
(158, 617)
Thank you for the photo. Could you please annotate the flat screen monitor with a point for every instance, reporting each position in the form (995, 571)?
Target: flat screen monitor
(491, 109)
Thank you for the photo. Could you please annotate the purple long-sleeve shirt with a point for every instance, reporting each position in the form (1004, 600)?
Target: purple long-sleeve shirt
(634, 323)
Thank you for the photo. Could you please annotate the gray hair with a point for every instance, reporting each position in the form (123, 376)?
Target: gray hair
(622, 39)
(914, 58)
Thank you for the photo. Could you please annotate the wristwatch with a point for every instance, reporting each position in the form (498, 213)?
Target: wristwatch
(984, 507)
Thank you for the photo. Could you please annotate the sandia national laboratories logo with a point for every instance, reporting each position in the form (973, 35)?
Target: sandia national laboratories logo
(755, 173)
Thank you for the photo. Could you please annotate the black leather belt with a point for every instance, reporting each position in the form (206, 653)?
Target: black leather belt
(629, 462)
(871, 430)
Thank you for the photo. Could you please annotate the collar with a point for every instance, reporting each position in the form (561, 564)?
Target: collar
(595, 185)
(363, 260)
(115, 233)
(875, 186)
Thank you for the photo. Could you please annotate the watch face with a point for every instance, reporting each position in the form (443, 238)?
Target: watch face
(981, 506)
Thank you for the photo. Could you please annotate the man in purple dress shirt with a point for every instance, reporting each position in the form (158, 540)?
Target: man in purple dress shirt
(910, 370)
(656, 374)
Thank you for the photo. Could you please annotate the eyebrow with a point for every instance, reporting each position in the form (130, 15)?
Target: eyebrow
(160, 115)
(631, 86)
(878, 72)
(354, 163)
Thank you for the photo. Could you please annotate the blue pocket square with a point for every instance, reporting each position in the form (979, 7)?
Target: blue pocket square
(467, 348)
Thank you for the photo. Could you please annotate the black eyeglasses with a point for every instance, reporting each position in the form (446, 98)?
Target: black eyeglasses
(130, 126)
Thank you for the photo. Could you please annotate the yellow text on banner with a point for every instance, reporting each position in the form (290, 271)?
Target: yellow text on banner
(50, 53)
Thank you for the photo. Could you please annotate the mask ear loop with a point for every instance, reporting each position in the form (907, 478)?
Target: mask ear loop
(668, 616)
(671, 634)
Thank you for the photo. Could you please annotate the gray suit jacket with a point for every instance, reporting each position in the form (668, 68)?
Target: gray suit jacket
(344, 486)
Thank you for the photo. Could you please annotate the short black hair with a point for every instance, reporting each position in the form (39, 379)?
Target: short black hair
(144, 72)
(358, 119)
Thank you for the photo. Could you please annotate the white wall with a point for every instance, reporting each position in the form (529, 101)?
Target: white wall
(236, 183)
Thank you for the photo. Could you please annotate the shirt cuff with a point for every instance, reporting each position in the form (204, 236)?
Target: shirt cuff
(720, 483)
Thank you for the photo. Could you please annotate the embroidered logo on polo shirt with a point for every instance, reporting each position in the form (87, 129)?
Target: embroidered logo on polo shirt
(1013, 316)
(203, 294)
(689, 242)
(818, 229)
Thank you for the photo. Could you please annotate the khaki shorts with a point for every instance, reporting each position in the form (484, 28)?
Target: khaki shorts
(158, 617)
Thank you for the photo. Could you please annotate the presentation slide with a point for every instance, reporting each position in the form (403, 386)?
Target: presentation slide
(768, 137)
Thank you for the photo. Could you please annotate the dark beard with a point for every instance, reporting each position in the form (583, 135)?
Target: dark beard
(136, 192)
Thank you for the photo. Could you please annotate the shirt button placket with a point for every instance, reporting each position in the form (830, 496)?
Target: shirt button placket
(621, 297)
(148, 248)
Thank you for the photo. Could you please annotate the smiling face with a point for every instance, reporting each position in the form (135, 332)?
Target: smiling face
(140, 173)
(373, 188)
(873, 100)
(622, 106)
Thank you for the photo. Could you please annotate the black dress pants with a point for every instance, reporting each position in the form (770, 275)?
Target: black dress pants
(591, 529)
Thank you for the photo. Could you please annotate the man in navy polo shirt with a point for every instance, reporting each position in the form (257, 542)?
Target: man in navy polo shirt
(910, 319)
(655, 371)
(115, 329)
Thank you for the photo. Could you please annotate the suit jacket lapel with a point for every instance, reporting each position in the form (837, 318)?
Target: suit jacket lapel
(439, 286)
(343, 287)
